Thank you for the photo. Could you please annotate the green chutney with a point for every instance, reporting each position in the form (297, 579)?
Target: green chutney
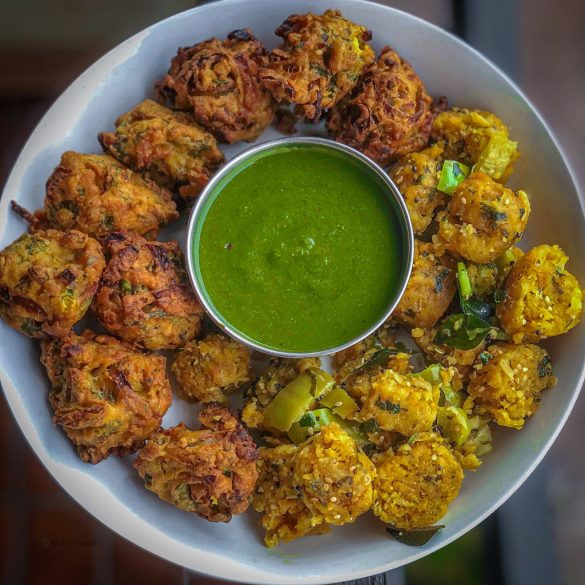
(299, 248)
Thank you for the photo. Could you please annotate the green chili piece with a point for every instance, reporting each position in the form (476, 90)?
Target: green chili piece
(431, 374)
(452, 173)
(323, 382)
(299, 432)
(454, 423)
(465, 289)
(340, 402)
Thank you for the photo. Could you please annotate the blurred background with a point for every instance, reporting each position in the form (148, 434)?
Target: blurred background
(537, 537)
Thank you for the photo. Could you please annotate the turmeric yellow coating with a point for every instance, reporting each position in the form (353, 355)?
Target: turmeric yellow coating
(417, 175)
(430, 290)
(508, 387)
(541, 298)
(47, 281)
(476, 137)
(483, 219)
(415, 485)
(406, 404)
(208, 369)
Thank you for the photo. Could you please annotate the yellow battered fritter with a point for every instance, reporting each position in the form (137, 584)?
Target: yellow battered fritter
(507, 388)
(168, 145)
(211, 472)
(483, 219)
(415, 485)
(417, 177)
(209, 369)
(96, 194)
(486, 279)
(541, 298)
(107, 396)
(47, 281)
(145, 296)
(430, 290)
(388, 114)
(318, 62)
(219, 82)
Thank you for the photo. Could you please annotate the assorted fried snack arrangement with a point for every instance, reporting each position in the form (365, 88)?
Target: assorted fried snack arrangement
(376, 435)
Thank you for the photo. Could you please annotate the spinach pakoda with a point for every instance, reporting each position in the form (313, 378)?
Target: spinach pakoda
(47, 281)
(318, 63)
(219, 82)
(107, 396)
(388, 114)
(96, 194)
(168, 145)
(209, 369)
(144, 296)
(210, 472)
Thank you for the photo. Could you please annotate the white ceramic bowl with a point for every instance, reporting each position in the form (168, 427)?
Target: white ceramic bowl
(111, 490)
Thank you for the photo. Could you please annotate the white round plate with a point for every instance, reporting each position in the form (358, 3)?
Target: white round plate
(111, 491)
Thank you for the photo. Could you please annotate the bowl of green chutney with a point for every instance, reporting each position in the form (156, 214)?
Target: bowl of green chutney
(300, 247)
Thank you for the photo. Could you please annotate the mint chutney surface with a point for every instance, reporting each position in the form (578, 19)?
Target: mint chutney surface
(301, 249)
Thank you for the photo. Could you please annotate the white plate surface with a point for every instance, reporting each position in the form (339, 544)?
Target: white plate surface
(111, 491)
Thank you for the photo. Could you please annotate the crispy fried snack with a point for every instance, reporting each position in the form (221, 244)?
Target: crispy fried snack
(507, 388)
(302, 490)
(96, 194)
(47, 281)
(318, 63)
(220, 82)
(474, 137)
(417, 177)
(278, 374)
(483, 219)
(430, 290)
(388, 114)
(415, 485)
(175, 152)
(211, 472)
(209, 369)
(486, 279)
(541, 298)
(144, 296)
(107, 396)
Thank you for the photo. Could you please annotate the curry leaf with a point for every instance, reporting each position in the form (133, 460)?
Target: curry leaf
(417, 537)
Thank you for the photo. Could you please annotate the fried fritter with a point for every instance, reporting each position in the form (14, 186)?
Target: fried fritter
(486, 279)
(507, 388)
(144, 296)
(208, 369)
(388, 114)
(541, 298)
(474, 137)
(279, 373)
(107, 396)
(318, 63)
(219, 81)
(211, 472)
(326, 480)
(47, 281)
(96, 194)
(417, 177)
(483, 219)
(168, 145)
(430, 290)
(415, 485)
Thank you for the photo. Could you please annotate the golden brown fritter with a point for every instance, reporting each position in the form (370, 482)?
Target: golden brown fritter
(483, 219)
(507, 388)
(541, 298)
(211, 472)
(95, 194)
(474, 137)
(430, 290)
(47, 281)
(107, 396)
(208, 369)
(318, 63)
(168, 145)
(388, 114)
(144, 296)
(219, 81)
(279, 373)
(417, 177)
(415, 485)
